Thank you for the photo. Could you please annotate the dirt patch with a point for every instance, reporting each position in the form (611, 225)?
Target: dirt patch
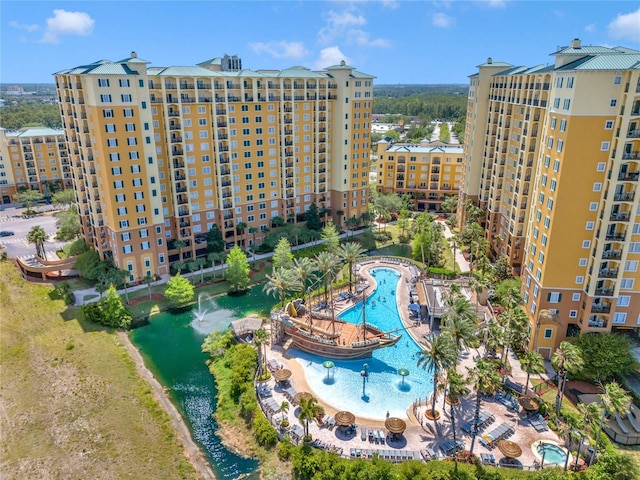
(156, 297)
(191, 449)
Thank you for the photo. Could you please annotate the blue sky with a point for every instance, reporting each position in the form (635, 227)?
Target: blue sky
(398, 41)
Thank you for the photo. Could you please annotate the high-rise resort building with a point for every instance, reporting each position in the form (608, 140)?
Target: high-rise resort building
(426, 171)
(552, 155)
(160, 154)
(33, 158)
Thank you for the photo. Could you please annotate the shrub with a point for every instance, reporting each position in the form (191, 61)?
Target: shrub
(179, 292)
(445, 272)
(264, 433)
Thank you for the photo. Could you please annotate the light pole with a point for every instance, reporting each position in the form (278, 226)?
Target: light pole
(364, 373)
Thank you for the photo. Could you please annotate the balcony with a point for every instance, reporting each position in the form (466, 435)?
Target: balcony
(624, 197)
(615, 236)
(608, 273)
(595, 322)
(619, 217)
(631, 155)
(628, 176)
(612, 254)
(633, 134)
(604, 292)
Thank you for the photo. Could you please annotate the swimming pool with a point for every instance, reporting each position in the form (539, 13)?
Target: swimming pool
(553, 453)
(384, 390)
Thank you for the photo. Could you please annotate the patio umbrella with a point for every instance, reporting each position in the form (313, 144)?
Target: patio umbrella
(509, 449)
(403, 372)
(395, 425)
(344, 418)
(282, 375)
(328, 364)
(300, 395)
(529, 404)
(414, 307)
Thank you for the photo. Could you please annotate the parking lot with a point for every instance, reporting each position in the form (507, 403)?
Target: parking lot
(16, 245)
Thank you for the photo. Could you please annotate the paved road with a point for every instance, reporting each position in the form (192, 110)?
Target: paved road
(17, 245)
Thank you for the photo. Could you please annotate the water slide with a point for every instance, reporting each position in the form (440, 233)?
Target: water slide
(632, 414)
(621, 424)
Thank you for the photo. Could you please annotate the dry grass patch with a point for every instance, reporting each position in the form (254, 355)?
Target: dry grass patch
(71, 403)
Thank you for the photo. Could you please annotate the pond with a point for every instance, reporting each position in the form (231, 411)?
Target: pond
(170, 346)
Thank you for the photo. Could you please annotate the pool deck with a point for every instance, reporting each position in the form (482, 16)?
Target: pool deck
(421, 433)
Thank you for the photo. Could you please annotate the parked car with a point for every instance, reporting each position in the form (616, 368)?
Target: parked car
(6, 233)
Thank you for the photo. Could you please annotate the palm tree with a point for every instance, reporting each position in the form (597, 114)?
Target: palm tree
(459, 322)
(216, 257)
(351, 252)
(284, 409)
(439, 353)
(566, 359)
(180, 244)
(303, 270)
(485, 379)
(513, 320)
(261, 339)
(531, 362)
(148, 279)
(589, 411)
(309, 409)
(240, 227)
(200, 262)
(326, 263)
(457, 385)
(450, 204)
(279, 282)
(38, 236)
(614, 399)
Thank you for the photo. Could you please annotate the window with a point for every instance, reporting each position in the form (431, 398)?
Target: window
(103, 82)
(124, 82)
(554, 297)
(590, 225)
(627, 283)
(575, 297)
(130, 127)
(570, 82)
(559, 82)
(593, 206)
(624, 301)
(548, 332)
(617, 80)
(579, 280)
(573, 314)
(105, 98)
(604, 146)
(613, 102)
(597, 186)
(586, 244)
(131, 141)
(567, 103)
(559, 146)
(619, 317)
(608, 125)
(128, 112)
(631, 266)
(126, 98)
(110, 128)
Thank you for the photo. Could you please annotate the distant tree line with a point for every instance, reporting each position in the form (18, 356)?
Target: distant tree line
(431, 106)
(414, 89)
(30, 115)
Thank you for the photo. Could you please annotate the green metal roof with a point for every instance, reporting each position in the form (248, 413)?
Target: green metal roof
(36, 132)
(605, 62)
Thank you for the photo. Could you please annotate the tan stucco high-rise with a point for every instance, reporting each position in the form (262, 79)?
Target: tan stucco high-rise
(551, 154)
(160, 154)
(33, 158)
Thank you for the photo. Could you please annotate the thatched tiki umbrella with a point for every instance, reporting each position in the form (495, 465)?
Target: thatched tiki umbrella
(395, 426)
(344, 418)
(509, 449)
(529, 404)
(282, 375)
(300, 395)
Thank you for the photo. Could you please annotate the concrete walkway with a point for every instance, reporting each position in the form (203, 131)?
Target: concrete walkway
(463, 264)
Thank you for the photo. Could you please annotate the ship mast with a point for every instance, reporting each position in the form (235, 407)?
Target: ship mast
(364, 318)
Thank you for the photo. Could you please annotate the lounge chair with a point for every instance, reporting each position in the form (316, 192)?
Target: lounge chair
(621, 424)
(363, 434)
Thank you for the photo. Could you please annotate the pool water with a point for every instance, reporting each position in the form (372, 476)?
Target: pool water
(553, 454)
(384, 390)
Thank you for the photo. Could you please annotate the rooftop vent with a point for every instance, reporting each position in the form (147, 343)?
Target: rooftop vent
(134, 55)
(489, 60)
(575, 43)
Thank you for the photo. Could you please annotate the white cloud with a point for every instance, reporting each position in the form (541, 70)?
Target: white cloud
(390, 4)
(442, 20)
(338, 23)
(330, 56)
(497, 3)
(67, 23)
(24, 26)
(282, 49)
(591, 28)
(363, 39)
(626, 26)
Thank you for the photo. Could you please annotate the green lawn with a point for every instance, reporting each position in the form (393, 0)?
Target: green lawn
(73, 405)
